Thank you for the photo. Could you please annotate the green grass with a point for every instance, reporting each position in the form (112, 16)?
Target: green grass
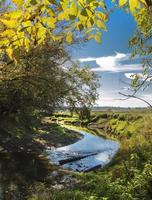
(129, 175)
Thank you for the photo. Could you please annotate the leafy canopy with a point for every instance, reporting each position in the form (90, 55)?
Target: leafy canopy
(29, 22)
(39, 81)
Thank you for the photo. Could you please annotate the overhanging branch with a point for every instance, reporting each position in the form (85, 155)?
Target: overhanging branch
(128, 96)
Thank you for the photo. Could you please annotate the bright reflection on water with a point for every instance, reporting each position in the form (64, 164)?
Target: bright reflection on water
(98, 152)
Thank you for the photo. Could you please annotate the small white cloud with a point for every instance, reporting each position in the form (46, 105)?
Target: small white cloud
(89, 59)
(112, 63)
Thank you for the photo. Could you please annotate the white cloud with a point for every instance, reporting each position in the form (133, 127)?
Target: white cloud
(114, 101)
(89, 59)
(112, 63)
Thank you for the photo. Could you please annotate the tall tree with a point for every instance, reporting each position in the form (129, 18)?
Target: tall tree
(44, 78)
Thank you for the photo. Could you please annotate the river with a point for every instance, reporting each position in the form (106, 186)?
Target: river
(90, 152)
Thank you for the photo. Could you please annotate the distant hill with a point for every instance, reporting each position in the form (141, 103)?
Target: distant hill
(108, 108)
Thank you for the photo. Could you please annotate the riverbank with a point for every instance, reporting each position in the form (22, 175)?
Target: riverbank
(54, 135)
(129, 176)
(23, 163)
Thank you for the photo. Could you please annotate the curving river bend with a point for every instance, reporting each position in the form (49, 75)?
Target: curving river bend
(89, 153)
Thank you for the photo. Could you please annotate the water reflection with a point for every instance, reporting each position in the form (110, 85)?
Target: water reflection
(88, 153)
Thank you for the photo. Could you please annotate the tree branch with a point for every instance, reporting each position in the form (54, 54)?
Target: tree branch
(135, 97)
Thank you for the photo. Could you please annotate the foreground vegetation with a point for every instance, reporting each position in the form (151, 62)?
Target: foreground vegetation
(27, 174)
(23, 162)
(129, 176)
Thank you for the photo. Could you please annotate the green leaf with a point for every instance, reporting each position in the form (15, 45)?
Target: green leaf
(90, 1)
(84, 13)
(33, 2)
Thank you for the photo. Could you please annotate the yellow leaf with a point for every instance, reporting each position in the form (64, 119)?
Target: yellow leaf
(81, 2)
(69, 37)
(143, 2)
(101, 25)
(134, 4)
(9, 33)
(89, 12)
(18, 2)
(9, 23)
(89, 31)
(27, 23)
(122, 2)
(41, 33)
(64, 15)
(97, 37)
(27, 45)
(73, 9)
(61, 16)
(91, 36)
(15, 14)
(58, 37)
(102, 4)
(103, 16)
(3, 42)
(52, 1)
(9, 52)
(51, 22)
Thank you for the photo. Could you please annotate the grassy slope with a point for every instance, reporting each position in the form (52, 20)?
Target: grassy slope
(53, 134)
(129, 176)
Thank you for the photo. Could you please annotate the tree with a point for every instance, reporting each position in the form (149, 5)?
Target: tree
(40, 80)
(142, 48)
(28, 23)
(84, 113)
(43, 79)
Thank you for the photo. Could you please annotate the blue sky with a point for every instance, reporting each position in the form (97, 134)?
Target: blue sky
(110, 60)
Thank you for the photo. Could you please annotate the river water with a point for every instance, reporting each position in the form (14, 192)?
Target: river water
(89, 153)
